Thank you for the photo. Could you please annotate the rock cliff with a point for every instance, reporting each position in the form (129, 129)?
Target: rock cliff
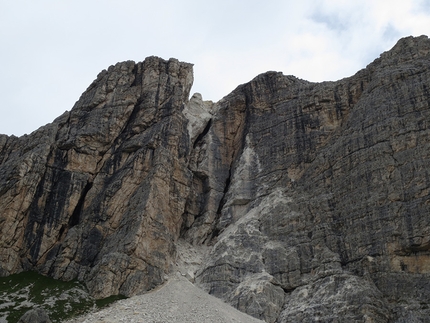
(312, 197)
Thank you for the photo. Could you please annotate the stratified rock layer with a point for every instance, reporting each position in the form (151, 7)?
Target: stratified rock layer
(326, 213)
(314, 197)
(98, 194)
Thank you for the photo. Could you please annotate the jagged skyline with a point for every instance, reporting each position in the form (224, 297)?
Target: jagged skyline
(51, 51)
(290, 200)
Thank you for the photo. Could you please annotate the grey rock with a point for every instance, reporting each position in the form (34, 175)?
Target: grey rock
(313, 198)
(336, 298)
(82, 195)
(325, 180)
(37, 315)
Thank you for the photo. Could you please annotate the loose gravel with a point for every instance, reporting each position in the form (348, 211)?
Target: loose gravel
(177, 301)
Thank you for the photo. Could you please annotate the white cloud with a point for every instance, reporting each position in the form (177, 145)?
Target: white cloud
(52, 50)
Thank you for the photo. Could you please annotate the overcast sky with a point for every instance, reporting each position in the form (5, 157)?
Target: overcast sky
(51, 50)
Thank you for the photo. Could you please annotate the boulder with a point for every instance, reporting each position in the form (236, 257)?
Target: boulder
(37, 315)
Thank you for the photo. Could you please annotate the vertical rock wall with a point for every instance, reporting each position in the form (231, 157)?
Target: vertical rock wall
(98, 195)
(325, 214)
(314, 197)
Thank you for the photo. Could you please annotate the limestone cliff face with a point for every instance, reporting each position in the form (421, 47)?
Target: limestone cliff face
(314, 197)
(325, 213)
(98, 194)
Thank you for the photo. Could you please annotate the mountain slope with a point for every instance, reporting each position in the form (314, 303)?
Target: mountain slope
(312, 197)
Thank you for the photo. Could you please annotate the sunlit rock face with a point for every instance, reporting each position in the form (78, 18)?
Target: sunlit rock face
(314, 197)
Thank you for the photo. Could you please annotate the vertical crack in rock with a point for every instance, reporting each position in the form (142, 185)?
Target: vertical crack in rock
(217, 228)
(36, 219)
(226, 187)
(203, 133)
(76, 215)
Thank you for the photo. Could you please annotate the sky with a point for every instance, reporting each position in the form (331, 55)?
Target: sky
(51, 50)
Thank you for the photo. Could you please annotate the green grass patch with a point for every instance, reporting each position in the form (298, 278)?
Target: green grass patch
(61, 300)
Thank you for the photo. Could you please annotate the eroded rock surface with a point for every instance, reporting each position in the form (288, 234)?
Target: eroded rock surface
(98, 195)
(313, 198)
(326, 185)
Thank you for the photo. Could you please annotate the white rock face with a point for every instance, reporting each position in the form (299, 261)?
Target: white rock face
(198, 113)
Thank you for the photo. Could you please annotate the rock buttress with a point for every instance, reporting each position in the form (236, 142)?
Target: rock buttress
(99, 194)
(323, 194)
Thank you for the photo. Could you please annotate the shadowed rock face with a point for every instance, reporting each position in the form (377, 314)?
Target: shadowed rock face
(313, 196)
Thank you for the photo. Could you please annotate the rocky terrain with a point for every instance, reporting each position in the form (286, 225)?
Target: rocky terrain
(26, 292)
(178, 301)
(311, 200)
